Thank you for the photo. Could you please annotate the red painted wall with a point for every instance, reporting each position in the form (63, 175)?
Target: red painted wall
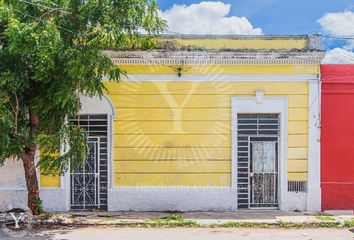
(337, 137)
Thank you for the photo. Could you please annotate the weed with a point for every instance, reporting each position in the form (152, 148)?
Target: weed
(283, 224)
(173, 217)
(47, 215)
(349, 224)
(38, 204)
(325, 218)
(170, 221)
(240, 225)
(338, 224)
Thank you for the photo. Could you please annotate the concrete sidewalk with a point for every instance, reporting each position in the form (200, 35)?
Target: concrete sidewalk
(201, 218)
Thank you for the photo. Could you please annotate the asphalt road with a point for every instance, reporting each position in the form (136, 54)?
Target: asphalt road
(114, 233)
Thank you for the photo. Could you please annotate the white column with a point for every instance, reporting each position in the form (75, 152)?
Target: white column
(314, 165)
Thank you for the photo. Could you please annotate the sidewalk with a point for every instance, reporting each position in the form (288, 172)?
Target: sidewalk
(267, 217)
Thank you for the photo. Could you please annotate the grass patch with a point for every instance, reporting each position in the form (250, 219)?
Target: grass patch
(338, 224)
(239, 225)
(170, 221)
(283, 224)
(325, 218)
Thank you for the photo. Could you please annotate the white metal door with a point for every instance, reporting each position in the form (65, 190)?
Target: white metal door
(85, 180)
(263, 174)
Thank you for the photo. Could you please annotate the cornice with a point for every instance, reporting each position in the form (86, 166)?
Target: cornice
(216, 58)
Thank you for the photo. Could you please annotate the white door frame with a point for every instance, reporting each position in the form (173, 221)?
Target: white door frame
(93, 106)
(256, 104)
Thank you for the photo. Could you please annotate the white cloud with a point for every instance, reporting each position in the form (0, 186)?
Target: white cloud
(339, 56)
(339, 24)
(207, 18)
(350, 45)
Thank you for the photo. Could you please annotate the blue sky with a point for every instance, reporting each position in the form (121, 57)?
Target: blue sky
(332, 18)
(279, 16)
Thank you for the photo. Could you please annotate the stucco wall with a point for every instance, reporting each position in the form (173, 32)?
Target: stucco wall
(179, 133)
(12, 185)
(337, 154)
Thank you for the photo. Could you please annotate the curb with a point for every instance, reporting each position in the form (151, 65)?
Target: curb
(199, 223)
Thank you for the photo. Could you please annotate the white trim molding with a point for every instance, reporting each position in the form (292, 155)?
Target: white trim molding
(314, 152)
(235, 57)
(277, 105)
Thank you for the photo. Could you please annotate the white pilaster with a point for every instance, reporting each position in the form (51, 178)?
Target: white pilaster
(314, 166)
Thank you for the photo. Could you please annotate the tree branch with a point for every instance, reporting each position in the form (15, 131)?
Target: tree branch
(17, 109)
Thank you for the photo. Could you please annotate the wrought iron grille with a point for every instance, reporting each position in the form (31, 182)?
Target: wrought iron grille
(263, 173)
(297, 186)
(253, 127)
(96, 126)
(85, 179)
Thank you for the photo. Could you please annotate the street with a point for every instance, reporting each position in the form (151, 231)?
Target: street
(115, 233)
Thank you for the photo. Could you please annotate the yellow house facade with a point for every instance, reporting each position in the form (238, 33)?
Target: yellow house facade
(203, 123)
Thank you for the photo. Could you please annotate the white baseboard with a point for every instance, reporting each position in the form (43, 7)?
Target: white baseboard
(172, 199)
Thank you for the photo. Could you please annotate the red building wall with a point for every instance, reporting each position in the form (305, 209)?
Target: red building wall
(337, 137)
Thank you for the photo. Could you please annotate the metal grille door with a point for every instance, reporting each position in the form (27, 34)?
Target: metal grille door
(96, 126)
(263, 174)
(85, 179)
(253, 128)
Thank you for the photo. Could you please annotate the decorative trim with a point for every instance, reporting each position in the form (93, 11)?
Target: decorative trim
(169, 61)
(215, 57)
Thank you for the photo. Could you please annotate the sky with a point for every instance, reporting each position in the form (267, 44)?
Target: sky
(332, 18)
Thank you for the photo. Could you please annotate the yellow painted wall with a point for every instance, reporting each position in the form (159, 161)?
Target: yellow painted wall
(222, 69)
(239, 43)
(178, 133)
(49, 180)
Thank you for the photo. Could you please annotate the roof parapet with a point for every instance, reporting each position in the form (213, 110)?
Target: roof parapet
(239, 42)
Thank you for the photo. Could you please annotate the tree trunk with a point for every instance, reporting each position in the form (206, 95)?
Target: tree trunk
(29, 166)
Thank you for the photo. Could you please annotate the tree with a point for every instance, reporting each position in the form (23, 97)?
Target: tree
(50, 53)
